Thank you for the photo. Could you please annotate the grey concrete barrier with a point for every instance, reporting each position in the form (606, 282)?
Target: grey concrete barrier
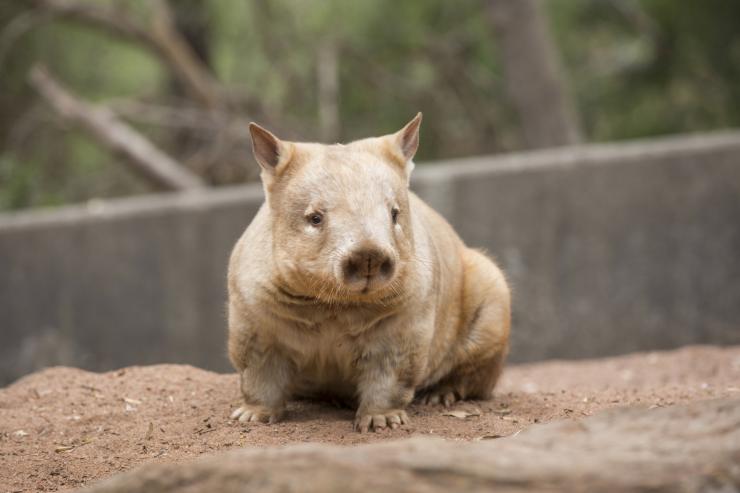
(610, 248)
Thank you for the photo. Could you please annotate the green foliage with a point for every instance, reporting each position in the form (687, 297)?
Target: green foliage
(96, 66)
(651, 67)
(43, 162)
(17, 182)
(636, 68)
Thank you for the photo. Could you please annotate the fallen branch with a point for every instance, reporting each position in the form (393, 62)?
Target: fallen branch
(143, 157)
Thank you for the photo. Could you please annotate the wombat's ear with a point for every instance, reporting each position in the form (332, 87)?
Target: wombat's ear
(269, 151)
(408, 138)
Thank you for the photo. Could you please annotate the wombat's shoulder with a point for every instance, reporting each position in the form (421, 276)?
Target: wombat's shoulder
(428, 223)
(249, 259)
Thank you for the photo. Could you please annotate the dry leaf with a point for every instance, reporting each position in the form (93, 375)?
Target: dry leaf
(489, 437)
(462, 413)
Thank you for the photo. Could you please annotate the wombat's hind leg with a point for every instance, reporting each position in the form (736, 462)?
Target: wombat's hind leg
(439, 394)
(483, 337)
(471, 382)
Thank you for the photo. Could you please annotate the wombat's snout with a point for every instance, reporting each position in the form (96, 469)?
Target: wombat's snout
(367, 265)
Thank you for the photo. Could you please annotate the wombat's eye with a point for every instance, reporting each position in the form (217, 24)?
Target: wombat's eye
(315, 219)
(394, 214)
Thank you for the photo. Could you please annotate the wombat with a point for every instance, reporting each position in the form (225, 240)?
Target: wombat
(346, 284)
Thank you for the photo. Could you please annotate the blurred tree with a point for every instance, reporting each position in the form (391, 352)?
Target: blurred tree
(189, 77)
(651, 67)
(327, 75)
(534, 79)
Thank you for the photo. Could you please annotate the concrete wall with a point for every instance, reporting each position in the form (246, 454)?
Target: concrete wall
(609, 248)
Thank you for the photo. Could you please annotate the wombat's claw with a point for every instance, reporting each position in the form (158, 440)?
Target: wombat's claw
(445, 397)
(379, 422)
(253, 414)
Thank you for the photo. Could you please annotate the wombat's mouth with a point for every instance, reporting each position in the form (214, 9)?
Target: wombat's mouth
(367, 285)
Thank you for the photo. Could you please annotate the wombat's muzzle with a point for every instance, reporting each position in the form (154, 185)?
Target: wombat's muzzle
(368, 265)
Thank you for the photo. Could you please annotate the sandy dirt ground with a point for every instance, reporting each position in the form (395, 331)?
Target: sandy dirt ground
(62, 428)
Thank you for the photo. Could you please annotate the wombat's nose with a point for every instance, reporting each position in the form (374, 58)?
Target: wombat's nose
(367, 263)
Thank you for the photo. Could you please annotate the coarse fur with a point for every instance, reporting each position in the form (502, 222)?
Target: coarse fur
(347, 284)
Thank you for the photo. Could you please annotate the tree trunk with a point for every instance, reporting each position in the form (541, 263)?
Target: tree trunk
(191, 20)
(327, 72)
(533, 74)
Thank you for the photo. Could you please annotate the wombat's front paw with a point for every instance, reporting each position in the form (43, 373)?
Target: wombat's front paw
(257, 413)
(380, 421)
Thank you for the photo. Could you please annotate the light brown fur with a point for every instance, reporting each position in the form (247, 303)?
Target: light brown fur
(431, 321)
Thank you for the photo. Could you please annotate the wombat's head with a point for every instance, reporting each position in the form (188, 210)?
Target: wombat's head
(340, 213)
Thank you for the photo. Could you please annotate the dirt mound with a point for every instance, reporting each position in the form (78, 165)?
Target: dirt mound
(687, 447)
(63, 428)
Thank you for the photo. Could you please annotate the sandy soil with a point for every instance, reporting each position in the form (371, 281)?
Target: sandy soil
(62, 427)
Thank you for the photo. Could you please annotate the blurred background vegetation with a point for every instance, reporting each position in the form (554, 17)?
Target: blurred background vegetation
(337, 70)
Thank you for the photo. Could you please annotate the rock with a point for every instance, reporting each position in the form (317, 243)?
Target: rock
(693, 447)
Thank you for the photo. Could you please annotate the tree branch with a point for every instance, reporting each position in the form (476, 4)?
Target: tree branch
(143, 157)
(161, 38)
